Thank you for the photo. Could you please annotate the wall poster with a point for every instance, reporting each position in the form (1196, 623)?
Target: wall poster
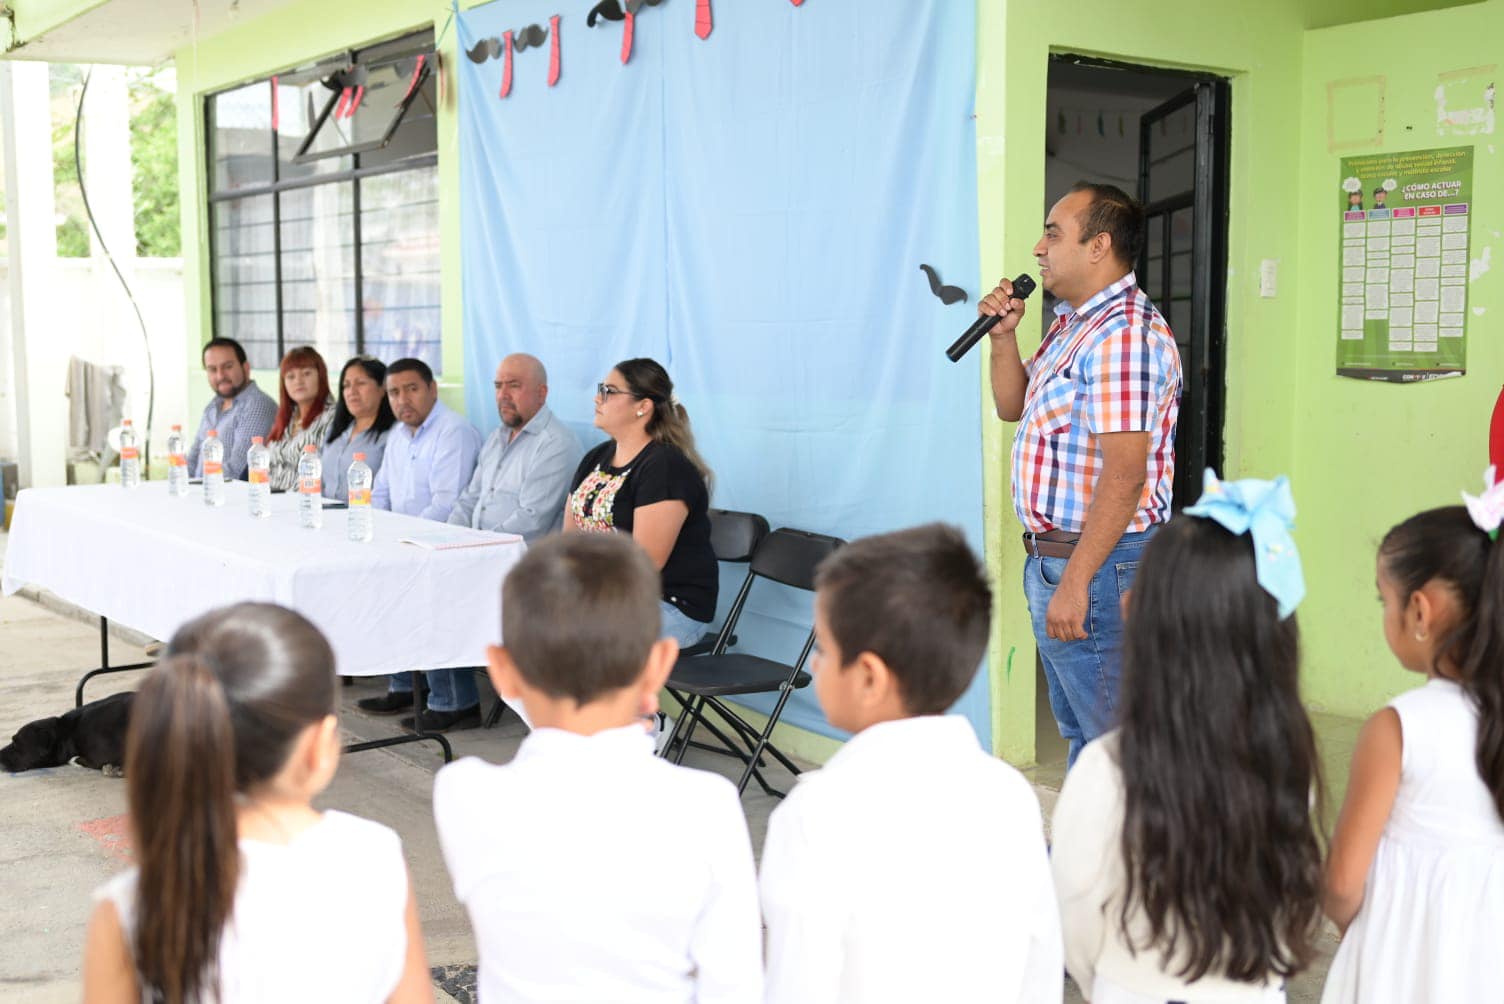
(1402, 313)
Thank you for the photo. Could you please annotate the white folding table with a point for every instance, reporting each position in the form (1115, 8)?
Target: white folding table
(151, 561)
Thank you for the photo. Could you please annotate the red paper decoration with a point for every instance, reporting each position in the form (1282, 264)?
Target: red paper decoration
(506, 64)
(1496, 439)
(553, 50)
(626, 36)
(703, 19)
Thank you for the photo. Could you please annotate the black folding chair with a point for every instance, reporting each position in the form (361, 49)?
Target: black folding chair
(702, 682)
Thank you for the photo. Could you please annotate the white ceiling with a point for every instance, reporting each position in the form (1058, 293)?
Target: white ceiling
(139, 32)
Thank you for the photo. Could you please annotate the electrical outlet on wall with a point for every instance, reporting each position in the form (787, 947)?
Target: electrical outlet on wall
(1268, 277)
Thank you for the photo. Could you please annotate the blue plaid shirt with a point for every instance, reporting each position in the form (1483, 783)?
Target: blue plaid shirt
(251, 413)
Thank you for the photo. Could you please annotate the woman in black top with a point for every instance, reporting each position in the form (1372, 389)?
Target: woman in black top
(648, 480)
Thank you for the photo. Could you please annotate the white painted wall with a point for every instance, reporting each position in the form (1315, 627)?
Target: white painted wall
(52, 309)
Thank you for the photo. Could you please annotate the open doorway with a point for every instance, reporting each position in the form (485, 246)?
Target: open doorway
(1162, 136)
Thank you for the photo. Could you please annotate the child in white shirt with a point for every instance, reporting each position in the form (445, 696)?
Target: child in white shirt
(243, 892)
(593, 870)
(912, 867)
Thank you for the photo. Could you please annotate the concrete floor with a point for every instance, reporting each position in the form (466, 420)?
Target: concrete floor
(63, 829)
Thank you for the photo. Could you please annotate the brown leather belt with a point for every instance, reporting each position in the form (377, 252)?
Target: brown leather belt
(1051, 544)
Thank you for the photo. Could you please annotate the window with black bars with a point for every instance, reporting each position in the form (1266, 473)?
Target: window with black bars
(324, 208)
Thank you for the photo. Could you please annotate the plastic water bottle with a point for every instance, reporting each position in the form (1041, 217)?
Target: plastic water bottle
(310, 489)
(177, 462)
(259, 474)
(214, 469)
(359, 484)
(130, 456)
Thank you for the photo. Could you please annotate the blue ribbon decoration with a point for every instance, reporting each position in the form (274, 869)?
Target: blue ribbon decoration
(1265, 510)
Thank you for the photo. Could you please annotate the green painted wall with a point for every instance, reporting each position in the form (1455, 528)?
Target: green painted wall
(1367, 455)
(1259, 49)
(294, 35)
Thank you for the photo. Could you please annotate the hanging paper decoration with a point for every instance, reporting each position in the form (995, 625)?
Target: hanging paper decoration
(438, 66)
(412, 81)
(506, 65)
(626, 36)
(945, 294)
(553, 50)
(704, 21)
(486, 48)
(608, 9)
(797, 3)
(533, 36)
(276, 107)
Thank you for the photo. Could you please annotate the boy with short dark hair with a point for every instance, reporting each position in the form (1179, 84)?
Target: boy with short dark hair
(591, 869)
(912, 867)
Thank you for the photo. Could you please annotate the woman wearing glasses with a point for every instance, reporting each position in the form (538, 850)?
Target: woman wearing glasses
(362, 419)
(648, 480)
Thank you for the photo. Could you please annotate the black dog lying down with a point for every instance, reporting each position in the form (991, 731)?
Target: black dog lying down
(94, 733)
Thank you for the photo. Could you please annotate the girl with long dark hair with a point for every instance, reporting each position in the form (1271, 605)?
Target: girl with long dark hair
(1415, 878)
(1185, 855)
(244, 891)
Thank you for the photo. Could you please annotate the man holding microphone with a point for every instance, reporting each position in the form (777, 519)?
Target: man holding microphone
(1093, 456)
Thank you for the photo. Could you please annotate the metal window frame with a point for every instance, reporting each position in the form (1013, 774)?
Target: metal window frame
(422, 44)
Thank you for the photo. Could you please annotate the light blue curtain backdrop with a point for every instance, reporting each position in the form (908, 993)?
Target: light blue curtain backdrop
(751, 210)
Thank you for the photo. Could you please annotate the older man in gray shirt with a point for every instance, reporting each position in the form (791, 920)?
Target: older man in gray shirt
(524, 469)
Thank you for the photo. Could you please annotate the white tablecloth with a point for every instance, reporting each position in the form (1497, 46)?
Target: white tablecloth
(152, 562)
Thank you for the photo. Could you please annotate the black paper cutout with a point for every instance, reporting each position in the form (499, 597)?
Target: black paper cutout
(531, 36)
(608, 9)
(615, 10)
(486, 48)
(946, 294)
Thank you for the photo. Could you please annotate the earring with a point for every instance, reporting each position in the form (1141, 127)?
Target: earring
(1421, 635)
(641, 413)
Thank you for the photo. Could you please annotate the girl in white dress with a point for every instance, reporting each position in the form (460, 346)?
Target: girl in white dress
(1415, 877)
(1185, 855)
(244, 891)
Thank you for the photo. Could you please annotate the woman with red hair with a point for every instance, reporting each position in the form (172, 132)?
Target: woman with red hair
(304, 415)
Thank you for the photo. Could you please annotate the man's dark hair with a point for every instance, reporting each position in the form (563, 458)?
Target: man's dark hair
(579, 614)
(1381, 190)
(918, 599)
(417, 366)
(1118, 215)
(223, 343)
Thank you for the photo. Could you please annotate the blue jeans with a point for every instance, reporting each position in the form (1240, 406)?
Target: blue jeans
(448, 689)
(1083, 675)
(680, 626)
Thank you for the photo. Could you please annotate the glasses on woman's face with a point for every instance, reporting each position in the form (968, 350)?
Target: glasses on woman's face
(603, 391)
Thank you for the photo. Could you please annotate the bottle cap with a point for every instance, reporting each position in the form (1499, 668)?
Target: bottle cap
(213, 432)
(361, 457)
(177, 428)
(311, 448)
(125, 421)
(256, 440)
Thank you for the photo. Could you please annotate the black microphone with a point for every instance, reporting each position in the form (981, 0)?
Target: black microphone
(1022, 287)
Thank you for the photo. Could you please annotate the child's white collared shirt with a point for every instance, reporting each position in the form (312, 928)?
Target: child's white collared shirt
(594, 871)
(911, 868)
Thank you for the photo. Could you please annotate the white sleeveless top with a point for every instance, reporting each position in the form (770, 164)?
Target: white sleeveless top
(321, 918)
(1432, 921)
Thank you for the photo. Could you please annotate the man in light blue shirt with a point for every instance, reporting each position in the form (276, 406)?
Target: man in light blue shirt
(239, 411)
(430, 456)
(526, 465)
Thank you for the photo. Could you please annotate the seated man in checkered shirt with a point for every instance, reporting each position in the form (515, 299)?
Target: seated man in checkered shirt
(1094, 453)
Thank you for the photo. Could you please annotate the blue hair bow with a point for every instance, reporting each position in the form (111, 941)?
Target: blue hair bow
(1265, 510)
